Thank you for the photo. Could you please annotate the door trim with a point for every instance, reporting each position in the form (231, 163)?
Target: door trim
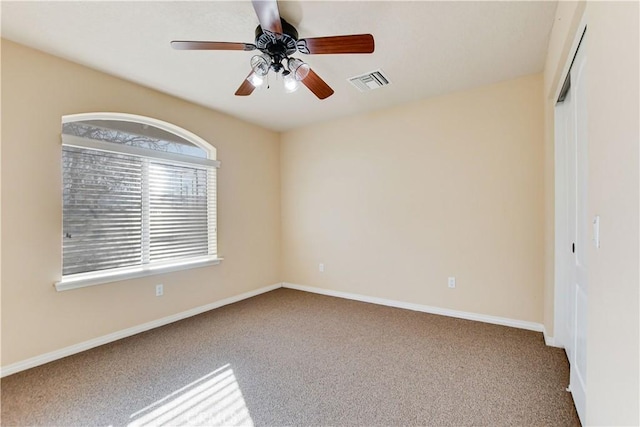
(564, 261)
(561, 214)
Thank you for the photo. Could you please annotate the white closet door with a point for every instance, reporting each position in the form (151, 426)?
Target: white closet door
(579, 365)
(572, 115)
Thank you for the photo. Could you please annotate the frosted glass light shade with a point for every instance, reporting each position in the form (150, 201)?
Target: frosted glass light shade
(298, 68)
(260, 64)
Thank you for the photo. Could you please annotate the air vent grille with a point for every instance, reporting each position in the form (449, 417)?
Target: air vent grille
(369, 81)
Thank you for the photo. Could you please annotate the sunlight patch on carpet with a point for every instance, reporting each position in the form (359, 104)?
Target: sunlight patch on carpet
(212, 400)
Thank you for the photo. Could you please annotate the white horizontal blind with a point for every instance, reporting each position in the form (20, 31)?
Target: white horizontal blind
(212, 175)
(178, 211)
(123, 211)
(102, 214)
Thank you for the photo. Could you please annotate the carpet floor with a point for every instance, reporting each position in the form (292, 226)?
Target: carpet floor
(294, 358)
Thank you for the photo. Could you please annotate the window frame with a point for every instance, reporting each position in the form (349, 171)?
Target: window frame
(79, 280)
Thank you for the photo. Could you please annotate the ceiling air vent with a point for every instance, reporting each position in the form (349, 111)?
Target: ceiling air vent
(369, 81)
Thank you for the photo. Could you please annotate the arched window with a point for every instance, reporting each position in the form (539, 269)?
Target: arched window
(139, 197)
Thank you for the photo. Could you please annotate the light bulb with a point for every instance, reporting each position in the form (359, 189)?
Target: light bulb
(255, 80)
(290, 83)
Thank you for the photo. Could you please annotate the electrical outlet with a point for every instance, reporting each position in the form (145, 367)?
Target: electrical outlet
(452, 282)
(159, 290)
(321, 268)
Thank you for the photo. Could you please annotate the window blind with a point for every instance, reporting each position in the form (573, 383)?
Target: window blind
(102, 215)
(178, 212)
(122, 211)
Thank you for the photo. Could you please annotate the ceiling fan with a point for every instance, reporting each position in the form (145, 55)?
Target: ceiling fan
(278, 40)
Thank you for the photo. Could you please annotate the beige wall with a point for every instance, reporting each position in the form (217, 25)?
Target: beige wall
(396, 201)
(37, 89)
(613, 341)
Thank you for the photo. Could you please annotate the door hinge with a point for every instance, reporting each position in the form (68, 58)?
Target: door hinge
(573, 248)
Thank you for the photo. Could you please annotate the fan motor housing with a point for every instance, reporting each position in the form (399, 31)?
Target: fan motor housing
(277, 44)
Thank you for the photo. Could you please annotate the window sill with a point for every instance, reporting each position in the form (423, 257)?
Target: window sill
(82, 280)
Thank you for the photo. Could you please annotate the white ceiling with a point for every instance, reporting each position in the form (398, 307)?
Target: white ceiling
(425, 48)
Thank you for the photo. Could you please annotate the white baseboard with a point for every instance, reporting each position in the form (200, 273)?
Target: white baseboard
(86, 345)
(521, 324)
(551, 341)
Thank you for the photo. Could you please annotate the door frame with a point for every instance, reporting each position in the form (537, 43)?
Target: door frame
(561, 220)
(564, 260)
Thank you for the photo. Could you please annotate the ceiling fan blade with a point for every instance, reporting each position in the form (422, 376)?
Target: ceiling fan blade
(357, 43)
(194, 45)
(317, 85)
(246, 88)
(268, 15)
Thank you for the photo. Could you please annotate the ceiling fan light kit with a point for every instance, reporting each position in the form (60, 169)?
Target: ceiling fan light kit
(278, 40)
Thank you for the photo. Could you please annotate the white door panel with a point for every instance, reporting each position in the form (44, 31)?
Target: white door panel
(579, 362)
(571, 125)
